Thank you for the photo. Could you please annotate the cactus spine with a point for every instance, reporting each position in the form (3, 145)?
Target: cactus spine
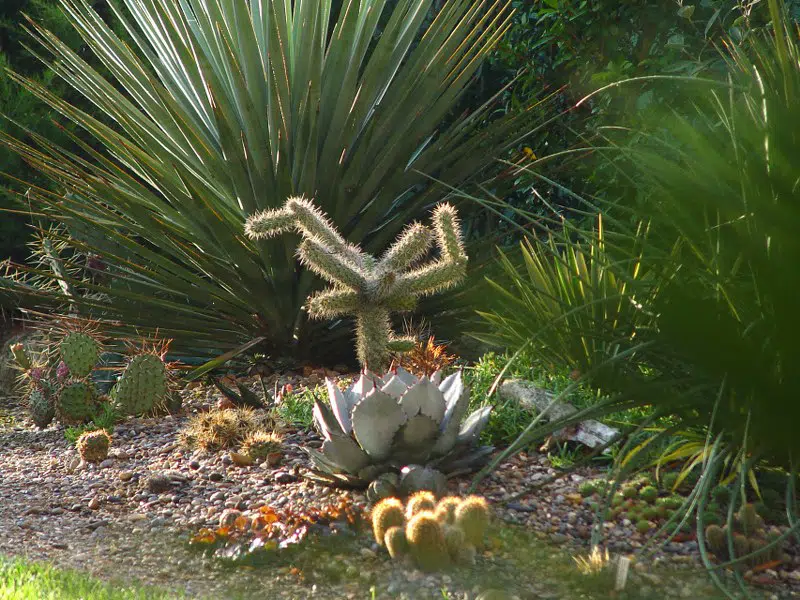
(387, 513)
(365, 287)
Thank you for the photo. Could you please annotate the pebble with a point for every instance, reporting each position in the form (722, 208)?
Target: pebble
(94, 504)
(125, 475)
(107, 463)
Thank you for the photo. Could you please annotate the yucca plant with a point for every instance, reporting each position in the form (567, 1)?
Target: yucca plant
(217, 110)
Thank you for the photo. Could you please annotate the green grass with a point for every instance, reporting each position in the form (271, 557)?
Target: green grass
(21, 580)
(297, 408)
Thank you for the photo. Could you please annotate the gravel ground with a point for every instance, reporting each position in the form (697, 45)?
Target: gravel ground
(131, 515)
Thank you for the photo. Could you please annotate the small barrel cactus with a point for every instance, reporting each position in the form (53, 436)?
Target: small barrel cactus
(41, 408)
(446, 509)
(749, 520)
(80, 352)
(396, 542)
(260, 444)
(386, 514)
(76, 402)
(456, 541)
(472, 515)
(93, 445)
(421, 501)
(142, 387)
(427, 543)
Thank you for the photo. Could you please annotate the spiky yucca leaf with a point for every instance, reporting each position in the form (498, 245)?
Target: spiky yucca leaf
(221, 110)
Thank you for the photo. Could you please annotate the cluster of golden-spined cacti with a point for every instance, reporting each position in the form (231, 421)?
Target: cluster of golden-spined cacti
(434, 534)
(364, 286)
(228, 428)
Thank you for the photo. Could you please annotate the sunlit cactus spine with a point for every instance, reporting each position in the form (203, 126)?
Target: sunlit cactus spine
(365, 287)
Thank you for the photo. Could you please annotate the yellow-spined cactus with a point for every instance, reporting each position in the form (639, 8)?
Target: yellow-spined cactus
(446, 509)
(421, 501)
(472, 516)
(386, 514)
(396, 542)
(427, 543)
(93, 445)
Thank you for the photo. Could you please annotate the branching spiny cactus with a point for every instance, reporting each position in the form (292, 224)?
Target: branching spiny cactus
(365, 287)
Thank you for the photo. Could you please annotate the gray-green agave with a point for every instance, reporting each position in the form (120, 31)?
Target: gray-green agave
(381, 424)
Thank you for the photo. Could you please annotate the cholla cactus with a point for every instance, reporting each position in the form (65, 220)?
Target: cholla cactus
(368, 288)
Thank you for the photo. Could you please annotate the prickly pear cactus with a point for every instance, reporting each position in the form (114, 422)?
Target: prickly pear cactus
(76, 402)
(142, 386)
(80, 352)
(41, 408)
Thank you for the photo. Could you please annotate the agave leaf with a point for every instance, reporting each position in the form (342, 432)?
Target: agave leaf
(474, 425)
(424, 398)
(366, 383)
(326, 422)
(463, 462)
(405, 376)
(452, 388)
(395, 387)
(345, 453)
(376, 420)
(456, 409)
(418, 433)
(340, 406)
(436, 378)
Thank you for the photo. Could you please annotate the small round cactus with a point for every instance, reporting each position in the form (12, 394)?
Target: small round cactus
(41, 408)
(386, 514)
(446, 509)
(427, 543)
(715, 536)
(419, 502)
(260, 444)
(749, 519)
(80, 352)
(642, 526)
(587, 489)
(629, 491)
(93, 445)
(648, 494)
(396, 542)
(456, 541)
(472, 516)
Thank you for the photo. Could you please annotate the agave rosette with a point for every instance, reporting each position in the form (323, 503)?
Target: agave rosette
(381, 424)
